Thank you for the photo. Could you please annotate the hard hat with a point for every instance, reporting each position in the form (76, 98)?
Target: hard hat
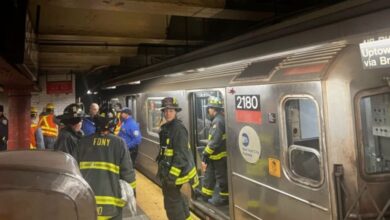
(50, 105)
(214, 102)
(170, 103)
(33, 110)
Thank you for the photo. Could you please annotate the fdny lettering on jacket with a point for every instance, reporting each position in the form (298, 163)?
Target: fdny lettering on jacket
(104, 142)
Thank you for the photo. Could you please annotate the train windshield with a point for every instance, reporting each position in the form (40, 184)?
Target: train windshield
(375, 116)
(302, 131)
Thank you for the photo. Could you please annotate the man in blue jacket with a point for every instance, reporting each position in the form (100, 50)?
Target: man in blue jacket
(88, 123)
(130, 133)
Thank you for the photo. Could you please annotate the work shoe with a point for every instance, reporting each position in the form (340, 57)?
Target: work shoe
(199, 196)
(218, 201)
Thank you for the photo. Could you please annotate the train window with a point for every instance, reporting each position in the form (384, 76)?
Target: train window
(375, 117)
(302, 134)
(154, 116)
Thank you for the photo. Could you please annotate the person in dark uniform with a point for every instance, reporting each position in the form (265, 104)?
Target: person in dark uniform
(104, 159)
(3, 130)
(214, 155)
(71, 133)
(175, 162)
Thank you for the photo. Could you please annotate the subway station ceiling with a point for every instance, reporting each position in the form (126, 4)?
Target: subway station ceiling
(111, 37)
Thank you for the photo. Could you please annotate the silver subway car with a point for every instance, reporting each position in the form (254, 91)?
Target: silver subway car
(307, 120)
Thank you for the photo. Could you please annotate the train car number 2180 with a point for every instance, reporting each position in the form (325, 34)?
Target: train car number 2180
(248, 102)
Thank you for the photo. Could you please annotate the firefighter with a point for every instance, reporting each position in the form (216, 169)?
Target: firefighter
(36, 137)
(48, 124)
(3, 130)
(130, 132)
(71, 133)
(104, 159)
(175, 162)
(88, 123)
(214, 156)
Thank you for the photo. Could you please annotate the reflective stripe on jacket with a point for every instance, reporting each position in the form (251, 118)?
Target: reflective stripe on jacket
(33, 141)
(216, 147)
(103, 160)
(49, 128)
(176, 162)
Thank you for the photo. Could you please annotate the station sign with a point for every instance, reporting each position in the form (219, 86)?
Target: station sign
(59, 87)
(375, 54)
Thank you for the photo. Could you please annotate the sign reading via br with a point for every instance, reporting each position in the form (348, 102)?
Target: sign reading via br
(375, 54)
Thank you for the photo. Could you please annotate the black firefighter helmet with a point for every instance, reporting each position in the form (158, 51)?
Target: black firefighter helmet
(73, 114)
(170, 103)
(107, 119)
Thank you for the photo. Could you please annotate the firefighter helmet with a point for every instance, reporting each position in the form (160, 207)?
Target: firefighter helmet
(214, 102)
(170, 103)
(107, 119)
(73, 114)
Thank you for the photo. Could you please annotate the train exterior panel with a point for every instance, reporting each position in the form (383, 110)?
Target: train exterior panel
(307, 120)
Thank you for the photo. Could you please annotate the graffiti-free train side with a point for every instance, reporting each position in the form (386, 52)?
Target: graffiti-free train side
(307, 113)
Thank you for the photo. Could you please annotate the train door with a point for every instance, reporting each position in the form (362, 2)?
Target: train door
(279, 168)
(131, 102)
(200, 125)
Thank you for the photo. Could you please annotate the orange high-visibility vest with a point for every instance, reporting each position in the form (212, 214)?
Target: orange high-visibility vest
(118, 125)
(49, 128)
(33, 140)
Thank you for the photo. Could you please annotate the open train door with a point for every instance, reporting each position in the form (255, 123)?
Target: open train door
(199, 130)
(278, 170)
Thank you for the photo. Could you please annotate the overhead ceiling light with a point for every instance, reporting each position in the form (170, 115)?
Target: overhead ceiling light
(134, 82)
(110, 87)
(89, 92)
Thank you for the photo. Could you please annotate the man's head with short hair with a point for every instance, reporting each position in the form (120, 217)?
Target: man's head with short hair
(93, 109)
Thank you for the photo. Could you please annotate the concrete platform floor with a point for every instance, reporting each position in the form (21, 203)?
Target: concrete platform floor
(149, 201)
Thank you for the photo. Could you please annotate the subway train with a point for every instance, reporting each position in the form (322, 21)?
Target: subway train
(307, 115)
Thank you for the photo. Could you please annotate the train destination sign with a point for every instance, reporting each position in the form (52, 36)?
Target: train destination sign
(375, 54)
(248, 109)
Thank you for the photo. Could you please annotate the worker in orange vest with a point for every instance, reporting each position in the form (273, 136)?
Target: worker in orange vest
(36, 137)
(118, 109)
(48, 124)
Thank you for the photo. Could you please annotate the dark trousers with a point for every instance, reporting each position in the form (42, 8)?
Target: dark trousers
(216, 172)
(175, 204)
(3, 145)
(133, 155)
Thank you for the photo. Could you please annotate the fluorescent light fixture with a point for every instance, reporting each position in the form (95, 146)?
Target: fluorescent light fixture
(135, 83)
(110, 87)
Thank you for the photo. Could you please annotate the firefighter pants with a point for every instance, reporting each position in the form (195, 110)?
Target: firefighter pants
(175, 204)
(216, 172)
